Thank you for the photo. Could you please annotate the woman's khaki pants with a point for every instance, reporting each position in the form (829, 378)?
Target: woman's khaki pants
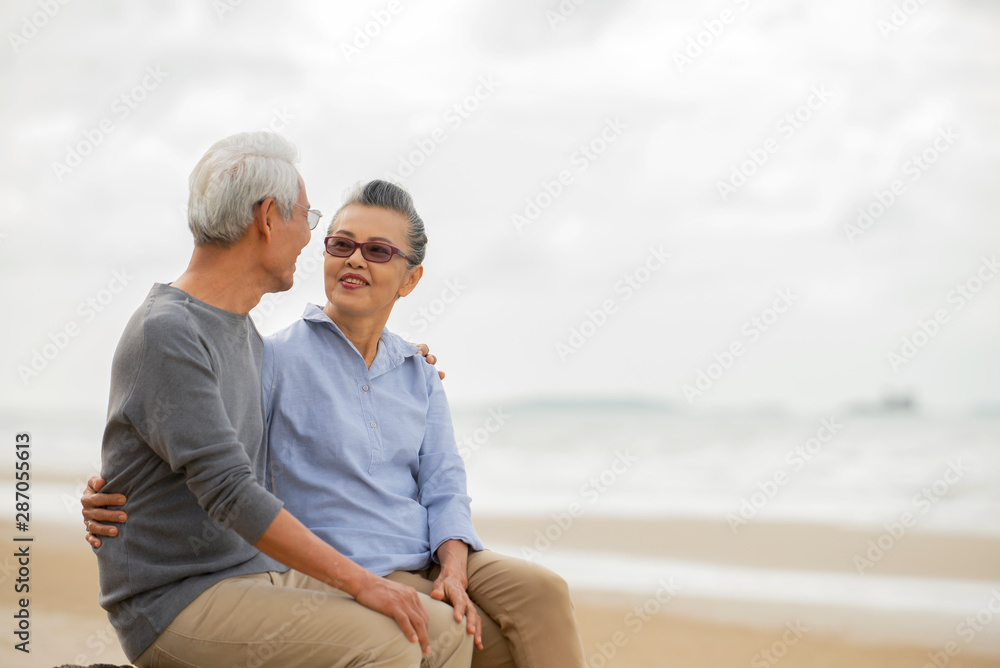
(527, 614)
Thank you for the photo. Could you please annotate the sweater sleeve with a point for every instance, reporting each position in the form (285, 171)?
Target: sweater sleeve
(176, 405)
(441, 477)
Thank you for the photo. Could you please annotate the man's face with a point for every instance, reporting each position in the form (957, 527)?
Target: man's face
(289, 238)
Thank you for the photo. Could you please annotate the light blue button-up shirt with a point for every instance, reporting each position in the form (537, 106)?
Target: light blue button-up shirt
(364, 457)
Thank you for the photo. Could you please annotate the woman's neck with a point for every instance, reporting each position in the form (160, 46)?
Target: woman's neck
(362, 331)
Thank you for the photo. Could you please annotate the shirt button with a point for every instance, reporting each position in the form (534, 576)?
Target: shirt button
(373, 425)
(364, 387)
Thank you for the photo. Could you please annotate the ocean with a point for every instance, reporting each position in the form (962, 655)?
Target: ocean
(556, 464)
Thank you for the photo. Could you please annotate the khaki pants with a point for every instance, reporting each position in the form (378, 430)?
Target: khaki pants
(290, 619)
(528, 619)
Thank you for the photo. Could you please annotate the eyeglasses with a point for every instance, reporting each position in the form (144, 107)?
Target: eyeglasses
(373, 251)
(313, 216)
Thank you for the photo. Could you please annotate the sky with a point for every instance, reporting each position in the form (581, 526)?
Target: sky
(726, 205)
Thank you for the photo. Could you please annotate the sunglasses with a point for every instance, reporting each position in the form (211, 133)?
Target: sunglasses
(373, 251)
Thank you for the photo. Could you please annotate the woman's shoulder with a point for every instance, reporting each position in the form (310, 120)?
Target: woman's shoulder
(400, 348)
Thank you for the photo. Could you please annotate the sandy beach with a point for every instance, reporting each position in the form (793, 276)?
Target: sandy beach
(69, 627)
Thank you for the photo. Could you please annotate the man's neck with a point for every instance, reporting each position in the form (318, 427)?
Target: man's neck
(223, 278)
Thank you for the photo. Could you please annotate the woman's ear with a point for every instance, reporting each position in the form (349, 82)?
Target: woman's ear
(411, 280)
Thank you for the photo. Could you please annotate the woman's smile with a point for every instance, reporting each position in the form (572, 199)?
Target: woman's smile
(353, 281)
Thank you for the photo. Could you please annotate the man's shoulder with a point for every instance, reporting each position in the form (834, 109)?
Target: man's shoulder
(170, 320)
(166, 315)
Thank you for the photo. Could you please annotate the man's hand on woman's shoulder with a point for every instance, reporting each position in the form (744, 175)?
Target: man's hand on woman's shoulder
(426, 352)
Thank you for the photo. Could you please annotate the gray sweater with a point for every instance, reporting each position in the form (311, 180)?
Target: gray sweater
(185, 442)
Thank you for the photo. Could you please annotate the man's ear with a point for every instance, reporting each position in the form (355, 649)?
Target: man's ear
(265, 215)
(411, 280)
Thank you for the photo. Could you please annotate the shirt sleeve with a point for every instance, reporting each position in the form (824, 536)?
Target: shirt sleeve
(441, 475)
(176, 406)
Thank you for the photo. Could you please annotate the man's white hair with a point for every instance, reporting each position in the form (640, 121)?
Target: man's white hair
(233, 176)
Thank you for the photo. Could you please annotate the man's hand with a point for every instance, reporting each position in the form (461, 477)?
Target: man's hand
(400, 602)
(94, 511)
(426, 352)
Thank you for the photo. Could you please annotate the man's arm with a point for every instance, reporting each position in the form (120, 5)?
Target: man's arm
(290, 542)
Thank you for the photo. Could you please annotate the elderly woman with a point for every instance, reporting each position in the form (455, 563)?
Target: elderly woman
(363, 452)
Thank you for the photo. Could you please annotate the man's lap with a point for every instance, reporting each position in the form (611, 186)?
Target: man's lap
(282, 619)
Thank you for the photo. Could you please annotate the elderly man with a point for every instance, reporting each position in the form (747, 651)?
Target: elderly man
(198, 574)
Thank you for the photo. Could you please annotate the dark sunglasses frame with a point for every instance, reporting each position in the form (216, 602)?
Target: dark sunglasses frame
(366, 247)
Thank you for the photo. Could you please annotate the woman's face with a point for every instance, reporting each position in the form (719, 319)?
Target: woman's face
(354, 285)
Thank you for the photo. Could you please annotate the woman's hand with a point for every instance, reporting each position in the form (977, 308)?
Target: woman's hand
(451, 590)
(451, 585)
(94, 511)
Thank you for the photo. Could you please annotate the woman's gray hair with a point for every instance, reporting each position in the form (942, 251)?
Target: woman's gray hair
(232, 177)
(393, 197)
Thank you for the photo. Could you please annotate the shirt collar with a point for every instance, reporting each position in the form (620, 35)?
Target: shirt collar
(392, 349)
